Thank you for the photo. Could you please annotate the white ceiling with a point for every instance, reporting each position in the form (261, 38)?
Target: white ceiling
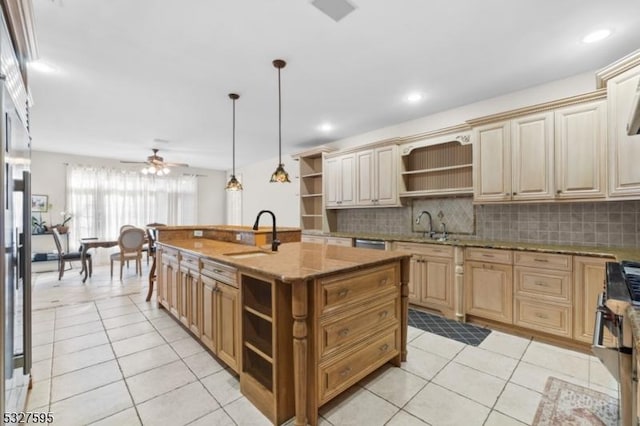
(128, 72)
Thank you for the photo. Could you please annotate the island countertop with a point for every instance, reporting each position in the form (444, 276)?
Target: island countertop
(292, 262)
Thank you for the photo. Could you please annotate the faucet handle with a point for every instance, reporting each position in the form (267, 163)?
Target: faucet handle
(275, 244)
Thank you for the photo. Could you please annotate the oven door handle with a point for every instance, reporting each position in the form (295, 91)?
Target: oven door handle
(598, 326)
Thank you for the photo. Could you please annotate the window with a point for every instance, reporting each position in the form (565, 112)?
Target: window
(234, 204)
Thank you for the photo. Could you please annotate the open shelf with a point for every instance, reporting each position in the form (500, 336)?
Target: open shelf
(259, 352)
(311, 190)
(257, 295)
(260, 369)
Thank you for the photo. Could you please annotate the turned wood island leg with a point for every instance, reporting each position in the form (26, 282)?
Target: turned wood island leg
(458, 255)
(300, 350)
(404, 300)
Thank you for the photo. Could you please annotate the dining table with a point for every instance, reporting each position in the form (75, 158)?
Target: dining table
(88, 243)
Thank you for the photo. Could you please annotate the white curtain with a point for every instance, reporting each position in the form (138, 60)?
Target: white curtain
(234, 204)
(101, 200)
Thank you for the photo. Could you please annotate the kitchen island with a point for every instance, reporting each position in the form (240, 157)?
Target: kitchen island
(299, 326)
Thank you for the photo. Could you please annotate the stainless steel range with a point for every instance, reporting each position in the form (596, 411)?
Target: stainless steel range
(622, 289)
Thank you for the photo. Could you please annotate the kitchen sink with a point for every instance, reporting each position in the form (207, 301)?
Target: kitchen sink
(246, 254)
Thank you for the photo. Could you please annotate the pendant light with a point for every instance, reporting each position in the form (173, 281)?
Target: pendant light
(234, 184)
(280, 175)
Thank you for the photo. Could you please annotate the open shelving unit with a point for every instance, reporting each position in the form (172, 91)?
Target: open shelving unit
(312, 214)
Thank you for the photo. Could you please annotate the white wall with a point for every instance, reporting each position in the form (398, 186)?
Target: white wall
(49, 177)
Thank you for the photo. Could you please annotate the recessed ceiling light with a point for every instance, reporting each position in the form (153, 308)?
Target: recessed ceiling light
(414, 97)
(325, 127)
(596, 36)
(42, 66)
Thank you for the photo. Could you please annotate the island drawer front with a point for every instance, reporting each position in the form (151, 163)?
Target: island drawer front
(337, 376)
(316, 239)
(342, 330)
(340, 291)
(534, 282)
(561, 262)
(190, 261)
(543, 316)
(169, 254)
(432, 250)
(220, 272)
(339, 241)
(489, 255)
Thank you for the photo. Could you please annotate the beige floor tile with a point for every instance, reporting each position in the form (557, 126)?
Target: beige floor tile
(498, 419)
(244, 412)
(224, 387)
(73, 310)
(173, 333)
(128, 417)
(43, 316)
(486, 361)
(154, 312)
(76, 344)
(163, 322)
(92, 406)
(148, 359)
(613, 393)
(395, 385)
(89, 378)
(123, 320)
(131, 330)
(187, 347)
(178, 407)
(78, 330)
(505, 344)
(413, 332)
(438, 345)
(39, 395)
(112, 312)
(41, 352)
(217, 418)
(77, 319)
(534, 377)
(439, 406)
(370, 409)
(42, 338)
(137, 343)
(160, 380)
(402, 418)
(113, 302)
(79, 360)
(203, 364)
(519, 402)
(599, 375)
(423, 364)
(41, 370)
(480, 387)
(567, 362)
(42, 326)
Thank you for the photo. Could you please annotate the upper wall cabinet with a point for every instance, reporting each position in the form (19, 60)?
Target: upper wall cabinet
(437, 164)
(377, 177)
(340, 181)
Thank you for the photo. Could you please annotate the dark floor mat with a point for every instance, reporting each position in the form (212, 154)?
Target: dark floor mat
(464, 333)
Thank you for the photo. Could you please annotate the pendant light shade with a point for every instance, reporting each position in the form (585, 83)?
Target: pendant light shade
(234, 184)
(280, 175)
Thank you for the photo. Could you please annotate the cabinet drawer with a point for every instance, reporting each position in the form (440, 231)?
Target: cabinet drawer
(339, 241)
(561, 262)
(433, 250)
(339, 291)
(489, 255)
(343, 330)
(169, 254)
(312, 239)
(535, 282)
(219, 272)
(543, 316)
(190, 261)
(337, 376)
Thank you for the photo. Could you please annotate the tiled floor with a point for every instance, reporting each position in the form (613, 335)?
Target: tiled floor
(464, 333)
(107, 357)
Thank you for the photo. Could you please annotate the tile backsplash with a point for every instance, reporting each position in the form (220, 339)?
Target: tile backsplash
(606, 224)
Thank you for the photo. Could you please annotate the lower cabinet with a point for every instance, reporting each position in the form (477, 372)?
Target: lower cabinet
(168, 278)
(589, 276)
(190, 299)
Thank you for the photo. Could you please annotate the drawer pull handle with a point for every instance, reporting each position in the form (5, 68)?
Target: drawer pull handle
(218, 271)
(486, 255)
(541, 284)
(343, 292)
(383, 281)
(383, 314)
(543, 316)
(540, 260)
(384, 348)
(345, 372)
(344, 332)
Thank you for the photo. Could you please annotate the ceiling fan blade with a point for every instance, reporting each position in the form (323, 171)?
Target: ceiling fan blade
(133, 162)
(176, 164)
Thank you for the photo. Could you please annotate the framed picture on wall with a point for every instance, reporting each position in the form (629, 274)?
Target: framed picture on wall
(39, 203)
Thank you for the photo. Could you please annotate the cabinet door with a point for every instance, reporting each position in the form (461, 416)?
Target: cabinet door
(347, 182)
(437, 282)
(195, 303)
(184, 295)
(589, 277)
(171, 274)
(492, 162)
(162, 293)
(581, 150)
(624, 150)
(532, 157)
(415, 279)
(365, 178)
(331, 182)
(209, 311)
(386, 175)
(228, 319)
(489, 291)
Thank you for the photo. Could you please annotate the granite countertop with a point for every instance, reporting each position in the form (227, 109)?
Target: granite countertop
(292, 261)
(615, 253)
(235, 228)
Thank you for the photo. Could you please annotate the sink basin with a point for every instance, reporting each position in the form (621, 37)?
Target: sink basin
(246, 254)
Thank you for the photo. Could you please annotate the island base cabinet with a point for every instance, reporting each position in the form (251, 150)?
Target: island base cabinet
(489, 291)
(209, 312)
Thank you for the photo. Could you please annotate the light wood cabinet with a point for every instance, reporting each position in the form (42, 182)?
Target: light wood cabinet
(492, 162)
(588, 283)
(340, 182)
(334, 241)
(169, 279)
(377, 177)
(312, 212)
(189, 295)
(209, 313)
(228, 332)
(581, 150)
(624, 150)
(488, 285)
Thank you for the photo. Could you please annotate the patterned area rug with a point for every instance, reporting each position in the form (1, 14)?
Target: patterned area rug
(564, 403)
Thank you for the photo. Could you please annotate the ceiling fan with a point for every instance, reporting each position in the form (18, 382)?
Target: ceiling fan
(156, 164)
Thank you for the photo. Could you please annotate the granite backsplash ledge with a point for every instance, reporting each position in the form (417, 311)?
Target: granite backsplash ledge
(600, 224)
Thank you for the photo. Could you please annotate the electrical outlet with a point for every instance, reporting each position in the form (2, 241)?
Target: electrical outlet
(197, 233)
(238, 237)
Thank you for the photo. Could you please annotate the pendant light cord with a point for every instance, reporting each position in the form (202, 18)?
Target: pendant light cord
(234, 139)
(279, 120)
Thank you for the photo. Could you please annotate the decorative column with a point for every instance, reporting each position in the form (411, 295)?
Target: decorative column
(404, 298)
(458, 256)
(299, 308)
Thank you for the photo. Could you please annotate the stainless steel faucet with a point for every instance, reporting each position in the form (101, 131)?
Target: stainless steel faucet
(422, 213)
(444, 232)
(275, 242)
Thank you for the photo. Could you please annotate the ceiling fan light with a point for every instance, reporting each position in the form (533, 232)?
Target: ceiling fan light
(233, 184)
(280, 175)
(166, 170)
(144, 171)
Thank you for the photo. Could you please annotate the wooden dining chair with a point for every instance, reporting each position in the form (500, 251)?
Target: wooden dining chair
(151, 241)
(130, 243)
(67, 257)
